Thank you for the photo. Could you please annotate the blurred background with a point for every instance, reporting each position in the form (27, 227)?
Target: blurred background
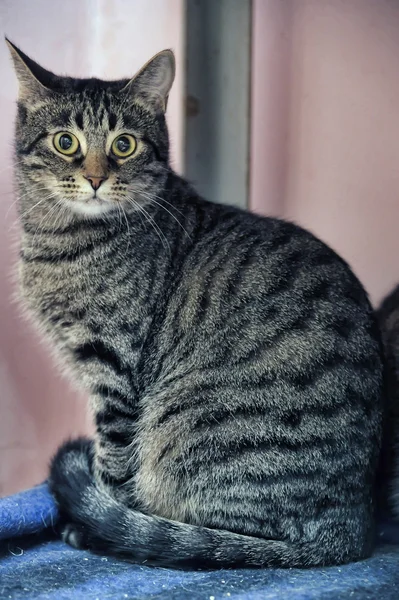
(286, 107)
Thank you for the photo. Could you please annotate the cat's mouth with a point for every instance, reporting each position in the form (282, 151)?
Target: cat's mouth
(96, 198)
(91, 205)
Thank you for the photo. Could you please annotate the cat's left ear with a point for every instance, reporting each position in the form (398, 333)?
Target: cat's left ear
(153, 82)
(34, 81)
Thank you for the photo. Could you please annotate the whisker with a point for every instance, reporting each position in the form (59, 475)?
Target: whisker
(19, 198)
(120, 215)
(142, 220)
(61, 213)
(152, 222)
(22, 216)
(48, 213)
(127, 226)
(168, 211)
(170, 204)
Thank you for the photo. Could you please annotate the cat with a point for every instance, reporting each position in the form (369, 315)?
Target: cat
(388, 319)
(232, 361)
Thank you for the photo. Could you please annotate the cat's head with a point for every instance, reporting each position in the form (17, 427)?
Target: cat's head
(87, 147)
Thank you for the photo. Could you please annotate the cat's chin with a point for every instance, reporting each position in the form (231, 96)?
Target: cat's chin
(91, 207)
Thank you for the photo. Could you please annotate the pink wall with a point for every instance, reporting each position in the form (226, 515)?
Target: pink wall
(324, 151)
(325, 139)
(106, 38)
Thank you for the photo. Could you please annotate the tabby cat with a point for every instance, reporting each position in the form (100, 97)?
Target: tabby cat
(232, 361)
(388, 317)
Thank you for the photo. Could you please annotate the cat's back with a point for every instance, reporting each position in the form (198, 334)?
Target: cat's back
(254, 286)
(240, 258)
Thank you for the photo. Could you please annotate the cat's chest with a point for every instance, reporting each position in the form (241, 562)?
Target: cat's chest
(94, 319)
(63, 300)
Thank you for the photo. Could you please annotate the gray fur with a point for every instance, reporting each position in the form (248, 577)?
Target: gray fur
(232, 361)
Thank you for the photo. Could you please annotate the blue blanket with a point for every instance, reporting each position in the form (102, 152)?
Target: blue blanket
(34, 564)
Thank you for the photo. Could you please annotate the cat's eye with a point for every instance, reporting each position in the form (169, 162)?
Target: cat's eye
(124, 145)
(66, 143)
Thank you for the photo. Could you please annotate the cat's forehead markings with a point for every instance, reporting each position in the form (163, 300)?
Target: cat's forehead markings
(97, 100)
(112, 121)
(96, 119)
(79, 120)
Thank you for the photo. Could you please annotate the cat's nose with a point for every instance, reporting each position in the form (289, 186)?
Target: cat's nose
(95, 181)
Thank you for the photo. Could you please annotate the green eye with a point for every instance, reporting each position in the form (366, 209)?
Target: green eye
(124, 145)
(66, 143)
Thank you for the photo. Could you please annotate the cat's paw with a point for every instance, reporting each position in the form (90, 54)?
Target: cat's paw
(73, 535)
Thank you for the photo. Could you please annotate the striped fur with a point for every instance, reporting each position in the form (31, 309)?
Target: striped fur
(232, 361)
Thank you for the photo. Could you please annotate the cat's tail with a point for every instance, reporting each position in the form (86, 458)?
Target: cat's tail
(99, 522)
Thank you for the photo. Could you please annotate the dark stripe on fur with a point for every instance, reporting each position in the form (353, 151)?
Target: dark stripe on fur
(30, 147)
(98, 350)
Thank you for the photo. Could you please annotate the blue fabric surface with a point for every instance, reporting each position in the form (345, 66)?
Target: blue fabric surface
(27, 512)
(35, 565)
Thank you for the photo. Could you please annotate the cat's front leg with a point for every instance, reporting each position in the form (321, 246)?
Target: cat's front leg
(113, 458)
(113, 468)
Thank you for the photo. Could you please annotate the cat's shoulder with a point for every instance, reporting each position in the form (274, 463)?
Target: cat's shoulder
(277, 231)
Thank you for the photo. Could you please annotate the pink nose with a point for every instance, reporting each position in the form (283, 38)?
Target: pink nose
(95, 181)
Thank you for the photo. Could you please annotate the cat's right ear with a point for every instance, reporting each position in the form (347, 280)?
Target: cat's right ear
(32, 78)
(152, 83)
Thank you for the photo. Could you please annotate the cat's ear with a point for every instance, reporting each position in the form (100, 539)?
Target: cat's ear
(34, 81)
(153, 82)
